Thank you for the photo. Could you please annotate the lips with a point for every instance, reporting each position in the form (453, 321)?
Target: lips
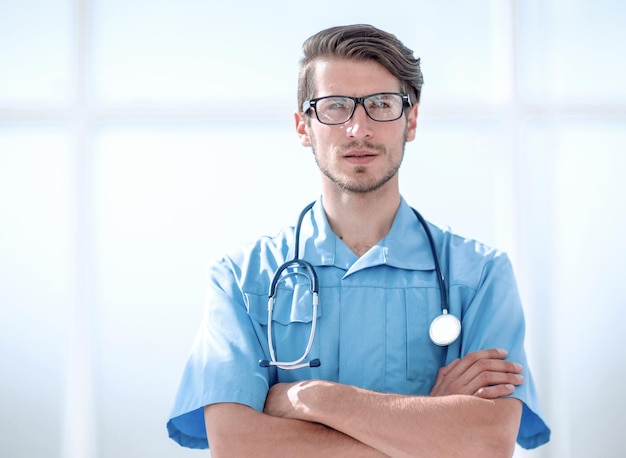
(361, 153)
(360, 157)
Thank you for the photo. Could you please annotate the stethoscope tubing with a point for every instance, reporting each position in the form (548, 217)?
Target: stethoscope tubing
(450, 325)
(298, 363)
(443, 292)
(294, 263)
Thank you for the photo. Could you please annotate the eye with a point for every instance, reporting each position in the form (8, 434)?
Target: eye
(337, 104)
(379, 102)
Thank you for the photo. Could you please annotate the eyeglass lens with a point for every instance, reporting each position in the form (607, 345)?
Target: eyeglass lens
(379, 107)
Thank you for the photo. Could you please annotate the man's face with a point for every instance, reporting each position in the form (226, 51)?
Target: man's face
(361, 155)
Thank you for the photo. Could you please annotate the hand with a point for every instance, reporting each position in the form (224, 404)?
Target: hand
(482, 373)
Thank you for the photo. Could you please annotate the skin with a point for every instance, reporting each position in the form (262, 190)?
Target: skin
(358, 160)
(465, 413)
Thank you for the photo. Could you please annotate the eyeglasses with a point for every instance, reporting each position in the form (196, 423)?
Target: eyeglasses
(337, 109)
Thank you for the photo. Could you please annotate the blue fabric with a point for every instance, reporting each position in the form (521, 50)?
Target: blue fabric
(373, 319)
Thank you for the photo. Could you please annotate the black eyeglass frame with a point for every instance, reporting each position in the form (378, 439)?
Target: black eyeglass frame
(312, 104)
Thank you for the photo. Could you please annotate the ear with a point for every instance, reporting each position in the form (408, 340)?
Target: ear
(301, 128)
(411, 123)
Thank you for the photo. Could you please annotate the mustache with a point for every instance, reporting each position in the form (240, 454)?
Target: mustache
(363, 144)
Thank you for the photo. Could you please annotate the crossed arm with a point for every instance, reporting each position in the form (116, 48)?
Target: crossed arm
(465, 415)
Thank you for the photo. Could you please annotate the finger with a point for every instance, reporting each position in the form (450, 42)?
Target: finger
(495, 391)
(490, 353)
(445, 370)
(442, 375)
(490, 379)
(441, 378)
(453, 379)
(484, 373)
(475, 362)
(489, 360)
(495, 365)
(471, 358)
(475, 371)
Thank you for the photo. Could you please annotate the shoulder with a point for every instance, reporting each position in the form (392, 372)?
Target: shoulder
(467, 260)
(252, 265)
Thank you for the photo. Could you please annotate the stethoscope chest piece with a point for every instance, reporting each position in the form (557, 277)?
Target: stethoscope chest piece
(445, 329)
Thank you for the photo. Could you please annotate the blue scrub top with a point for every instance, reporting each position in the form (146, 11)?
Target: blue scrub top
(373, 319)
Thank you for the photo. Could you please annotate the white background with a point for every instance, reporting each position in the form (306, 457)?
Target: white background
(141, 139)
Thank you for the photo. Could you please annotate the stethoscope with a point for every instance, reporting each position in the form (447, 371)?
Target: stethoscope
(443, 331)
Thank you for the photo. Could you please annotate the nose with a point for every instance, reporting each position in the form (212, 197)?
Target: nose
(359, 125)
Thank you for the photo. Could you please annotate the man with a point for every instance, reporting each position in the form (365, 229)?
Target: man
(372, 383)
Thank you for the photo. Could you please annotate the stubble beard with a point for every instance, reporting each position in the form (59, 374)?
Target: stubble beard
(357, 182)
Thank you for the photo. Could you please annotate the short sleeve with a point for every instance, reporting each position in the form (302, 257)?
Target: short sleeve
(494, 319)
(223, 364)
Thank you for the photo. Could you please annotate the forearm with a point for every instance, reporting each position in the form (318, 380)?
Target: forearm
(445, 426)
(235, 430)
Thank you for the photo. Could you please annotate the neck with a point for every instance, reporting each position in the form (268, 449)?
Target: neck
(361, 220)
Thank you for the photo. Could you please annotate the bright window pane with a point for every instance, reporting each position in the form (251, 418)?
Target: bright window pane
(36, 48)
(36, 286)
(193, 52)
(167, 201)
(457, 174)
(461, 58)
(590, 206)
(572, 51)
(575, 234)
(461, 54)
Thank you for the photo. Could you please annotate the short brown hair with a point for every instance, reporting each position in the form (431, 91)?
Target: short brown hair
(360, 42)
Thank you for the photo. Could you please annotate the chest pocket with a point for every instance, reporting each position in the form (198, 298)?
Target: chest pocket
(292, 319)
